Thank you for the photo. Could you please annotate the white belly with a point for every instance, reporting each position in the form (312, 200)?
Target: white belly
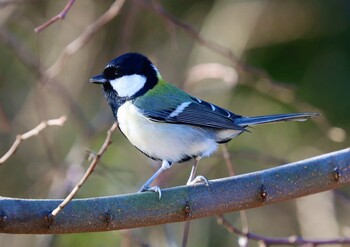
(171, 142)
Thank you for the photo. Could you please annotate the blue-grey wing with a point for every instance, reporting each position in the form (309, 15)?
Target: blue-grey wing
(198, 113)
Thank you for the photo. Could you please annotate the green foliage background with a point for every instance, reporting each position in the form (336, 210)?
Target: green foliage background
(303, 46)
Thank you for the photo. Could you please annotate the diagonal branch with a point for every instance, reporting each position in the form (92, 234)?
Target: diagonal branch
(270, 87)
(210, 44)
(182, 203)
(60, 16)
(83, 39)
(88, 172)
(44, 124)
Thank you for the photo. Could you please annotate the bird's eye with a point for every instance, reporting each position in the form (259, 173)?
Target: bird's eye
(111, 73)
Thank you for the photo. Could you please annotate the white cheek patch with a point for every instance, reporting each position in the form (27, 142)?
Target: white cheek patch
(128, 85)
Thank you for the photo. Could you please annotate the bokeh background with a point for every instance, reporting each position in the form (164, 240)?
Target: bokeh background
(292, 56)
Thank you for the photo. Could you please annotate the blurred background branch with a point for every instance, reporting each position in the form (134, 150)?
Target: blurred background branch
(57, 17)
(84, 38)
(35, 131)
(268, 241)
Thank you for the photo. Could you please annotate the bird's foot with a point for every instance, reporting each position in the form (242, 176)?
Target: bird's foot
(199, 180)
(152, 189)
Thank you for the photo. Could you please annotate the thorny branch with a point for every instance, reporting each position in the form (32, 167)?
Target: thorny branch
(60, 16)
(94, 162)
(44, 124)
(268, 241)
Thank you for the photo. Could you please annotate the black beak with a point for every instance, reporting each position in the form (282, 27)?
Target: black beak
(98, 79)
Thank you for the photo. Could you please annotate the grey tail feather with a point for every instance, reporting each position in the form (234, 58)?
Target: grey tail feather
(248, 121)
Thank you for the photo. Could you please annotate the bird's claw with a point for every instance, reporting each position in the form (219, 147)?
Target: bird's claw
(199, 180)
(152, 189)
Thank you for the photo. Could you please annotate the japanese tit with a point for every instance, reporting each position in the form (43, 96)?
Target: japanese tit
(164, 122)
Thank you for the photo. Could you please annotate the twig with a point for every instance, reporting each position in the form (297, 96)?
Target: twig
(94, 162)
(242, 213)
(52, 122)
(82, 40)
(227, 158)
(60, 16)
(268, 241)
(186, 233)
(257, 189)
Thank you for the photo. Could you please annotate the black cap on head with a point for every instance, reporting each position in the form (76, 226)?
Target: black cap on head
(127, 64)
(132, 63)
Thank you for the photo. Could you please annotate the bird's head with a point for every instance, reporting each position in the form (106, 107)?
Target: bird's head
(127, 77)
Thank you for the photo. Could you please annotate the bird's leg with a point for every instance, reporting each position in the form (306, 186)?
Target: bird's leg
(193, 170)
(146, 187)
(199, 179)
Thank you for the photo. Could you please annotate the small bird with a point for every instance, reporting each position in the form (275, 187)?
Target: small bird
(164, 122)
